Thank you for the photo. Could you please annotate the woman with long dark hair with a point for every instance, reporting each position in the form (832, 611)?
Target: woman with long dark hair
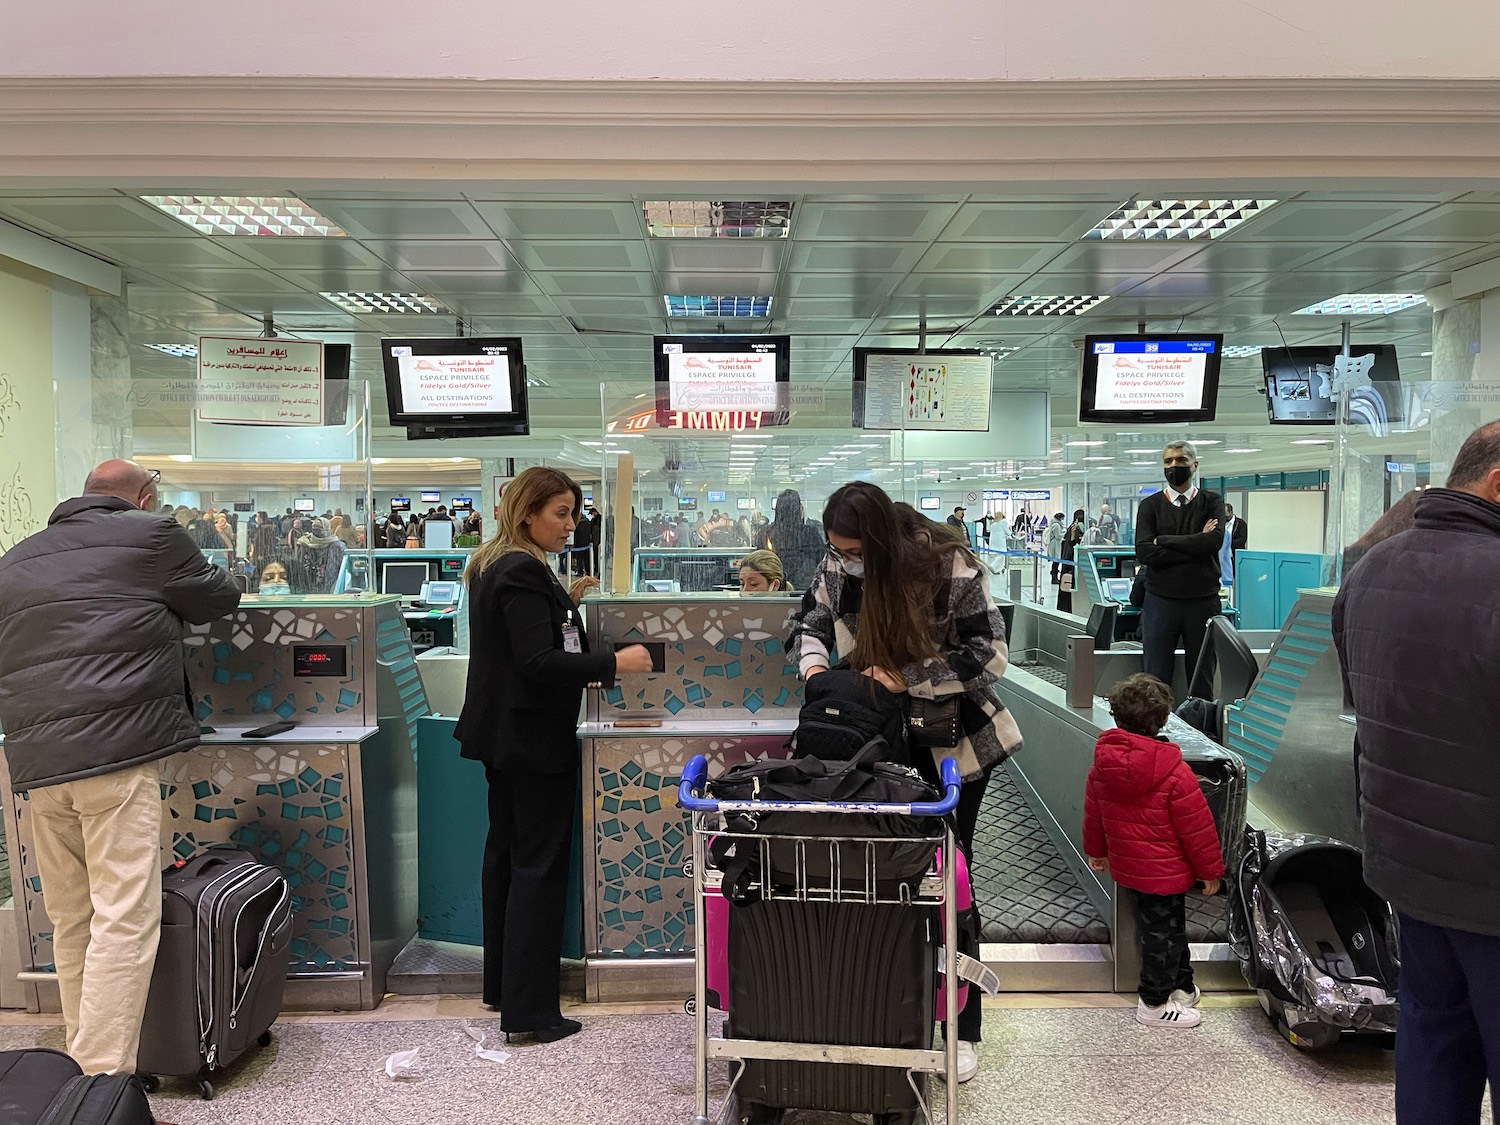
(904, 601)
(528, 665)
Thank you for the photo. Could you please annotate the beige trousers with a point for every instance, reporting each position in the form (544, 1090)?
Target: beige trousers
(98, 851)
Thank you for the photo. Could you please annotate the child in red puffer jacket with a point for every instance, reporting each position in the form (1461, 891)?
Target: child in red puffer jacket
(1145, 822)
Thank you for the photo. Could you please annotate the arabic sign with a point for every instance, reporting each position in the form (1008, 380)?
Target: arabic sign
(260, 381)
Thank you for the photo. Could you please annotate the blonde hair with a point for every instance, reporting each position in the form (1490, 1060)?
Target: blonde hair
(767, 564)
(524, 497)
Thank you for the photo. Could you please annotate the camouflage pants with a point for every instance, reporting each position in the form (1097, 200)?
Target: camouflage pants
(1165, 960)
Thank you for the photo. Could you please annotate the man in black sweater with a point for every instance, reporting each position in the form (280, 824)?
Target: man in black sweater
(1177, 537)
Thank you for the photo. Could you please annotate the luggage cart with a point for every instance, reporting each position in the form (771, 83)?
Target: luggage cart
(840, 885)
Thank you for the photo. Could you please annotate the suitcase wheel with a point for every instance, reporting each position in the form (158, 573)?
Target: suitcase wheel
(205, 1089)
(265, 1038)
(149, 1082)
(690, 1005)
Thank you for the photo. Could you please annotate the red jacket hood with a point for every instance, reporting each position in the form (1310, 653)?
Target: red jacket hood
(1134, 763)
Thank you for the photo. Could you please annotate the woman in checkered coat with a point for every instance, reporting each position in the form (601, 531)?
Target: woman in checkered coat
(904, 601)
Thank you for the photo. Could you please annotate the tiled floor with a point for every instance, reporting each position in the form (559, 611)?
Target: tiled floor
(1046, 1059)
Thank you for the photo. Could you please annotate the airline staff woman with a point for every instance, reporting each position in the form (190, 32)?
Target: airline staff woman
(528, 666)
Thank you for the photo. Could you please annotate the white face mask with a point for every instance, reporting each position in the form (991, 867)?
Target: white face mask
(854, 568)
(275, 588)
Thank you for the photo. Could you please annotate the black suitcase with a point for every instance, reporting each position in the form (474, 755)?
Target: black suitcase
(42, 1087)
(838, 973)
(226, 931)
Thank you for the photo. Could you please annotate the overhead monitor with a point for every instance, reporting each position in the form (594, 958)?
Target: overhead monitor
(745, 503)
(430, 497)
(930, 503)
(687, 503)
(305, 504)
(907, 389)
(716, 497)
(474, 385)
(1301, 385)
(404, 578)
(462, 504)
(400, 503)
(743, 380)
(1151, 378)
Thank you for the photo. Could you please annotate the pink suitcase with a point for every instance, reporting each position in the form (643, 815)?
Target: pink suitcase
(716, 934)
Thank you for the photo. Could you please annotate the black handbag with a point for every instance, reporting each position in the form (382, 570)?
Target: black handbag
(934, 723)
(902, 852)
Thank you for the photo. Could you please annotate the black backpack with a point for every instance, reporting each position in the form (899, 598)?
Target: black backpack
(844, 712)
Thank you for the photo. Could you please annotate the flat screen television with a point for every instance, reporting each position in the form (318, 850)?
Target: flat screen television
(930, 503)
(462, 504)
(687, 503)
(1151, 378)
(716, 497)
(745, 503)
(305, 504)
(430, 497)
(907, 389)
(404, 578)
(400, 503)
(1300, 391)
(722, 382)
(468, 386)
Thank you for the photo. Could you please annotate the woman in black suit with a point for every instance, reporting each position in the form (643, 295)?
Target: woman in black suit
(528, 665)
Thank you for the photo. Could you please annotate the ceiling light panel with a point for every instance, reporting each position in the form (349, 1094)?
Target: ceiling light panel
(1046, 306)
(384, 302)
(1241, 351)
(711, 219)
(1178, 218)
(181, 351)
(718, 306)
(258, 215)
(1363, 304)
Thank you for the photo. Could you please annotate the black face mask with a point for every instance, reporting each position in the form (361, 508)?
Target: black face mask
(1178, 475)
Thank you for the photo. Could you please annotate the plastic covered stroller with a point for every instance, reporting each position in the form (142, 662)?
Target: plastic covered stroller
(1316, 943)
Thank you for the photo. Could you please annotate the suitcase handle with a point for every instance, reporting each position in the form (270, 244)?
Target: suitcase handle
(696, 774)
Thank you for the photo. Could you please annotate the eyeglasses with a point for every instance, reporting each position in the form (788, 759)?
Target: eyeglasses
(838, 555)
(155, 475)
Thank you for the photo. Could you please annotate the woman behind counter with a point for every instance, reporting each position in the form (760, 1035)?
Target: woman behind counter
(528, 665)
(904, 601)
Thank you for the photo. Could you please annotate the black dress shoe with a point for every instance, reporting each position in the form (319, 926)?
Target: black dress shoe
(560, 1030)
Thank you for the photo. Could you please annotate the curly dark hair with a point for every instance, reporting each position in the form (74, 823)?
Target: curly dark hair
(1141, 704)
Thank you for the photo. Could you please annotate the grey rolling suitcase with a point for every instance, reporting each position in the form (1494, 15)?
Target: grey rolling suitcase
(221, 966)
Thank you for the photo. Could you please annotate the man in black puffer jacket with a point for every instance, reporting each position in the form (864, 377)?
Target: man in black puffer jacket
(91, 695)
(1416, 629)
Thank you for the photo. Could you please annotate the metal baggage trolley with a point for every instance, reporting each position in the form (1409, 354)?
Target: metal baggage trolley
(809, 885)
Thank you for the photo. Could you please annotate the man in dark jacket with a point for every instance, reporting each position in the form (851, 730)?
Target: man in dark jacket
(1415, 629)
(1177, 537)
(91, 695)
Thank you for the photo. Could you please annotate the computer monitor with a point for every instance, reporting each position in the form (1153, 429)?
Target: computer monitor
(404, 578)
(441, 593)
(1118, 589)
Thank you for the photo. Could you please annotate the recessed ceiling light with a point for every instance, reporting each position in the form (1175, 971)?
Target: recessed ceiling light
(1141, 451)
(1077, 470)
(1206, 441)
(1241, 451)
(533, 381)
(1425, 355)
(1142, 464)
(679, 218)
(384, 302)
(1087, 443)
(1240, 351)
(718, 306)
(1178, 218)
(181, 351)
(247, 214)
(1046, 306)
(1098, 458)
(1313, 441)
(1363, 304)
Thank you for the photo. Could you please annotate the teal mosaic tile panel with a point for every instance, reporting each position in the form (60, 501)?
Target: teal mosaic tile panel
(642, 838)
(1254, 728)
(722, 655)
(287, 805)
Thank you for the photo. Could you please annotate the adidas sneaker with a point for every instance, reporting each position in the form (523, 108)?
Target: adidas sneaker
(1170, 1014)
(1186, 999)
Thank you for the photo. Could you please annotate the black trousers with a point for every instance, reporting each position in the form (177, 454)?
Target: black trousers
(525, 889)
(1166, 962)
(966, 818)
(1165, 622)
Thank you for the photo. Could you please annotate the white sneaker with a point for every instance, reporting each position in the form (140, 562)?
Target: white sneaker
(1186, 999)
(1170, 1014)
(968, 1060)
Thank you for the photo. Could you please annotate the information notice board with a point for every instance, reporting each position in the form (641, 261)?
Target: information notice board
(925, 392)
(260, 381)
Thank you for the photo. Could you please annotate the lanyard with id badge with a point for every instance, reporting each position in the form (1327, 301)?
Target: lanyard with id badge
(572, 641)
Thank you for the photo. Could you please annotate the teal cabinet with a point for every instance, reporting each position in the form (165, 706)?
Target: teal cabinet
(1266, 585)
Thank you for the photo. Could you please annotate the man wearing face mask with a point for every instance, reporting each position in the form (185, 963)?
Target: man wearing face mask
(92, 614)
(1177, 537)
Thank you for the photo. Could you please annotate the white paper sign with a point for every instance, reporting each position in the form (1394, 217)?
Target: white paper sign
(927, 392)
(260, 381)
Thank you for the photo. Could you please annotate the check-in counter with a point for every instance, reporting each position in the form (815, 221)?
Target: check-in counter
(332, 802)
(726, 691)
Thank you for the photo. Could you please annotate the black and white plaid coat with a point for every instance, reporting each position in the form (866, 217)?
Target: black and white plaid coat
(972, 654)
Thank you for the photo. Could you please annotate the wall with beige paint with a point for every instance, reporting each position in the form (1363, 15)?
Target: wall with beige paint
(28, 466)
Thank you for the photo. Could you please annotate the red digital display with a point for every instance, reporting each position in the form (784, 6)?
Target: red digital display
(320, 660)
